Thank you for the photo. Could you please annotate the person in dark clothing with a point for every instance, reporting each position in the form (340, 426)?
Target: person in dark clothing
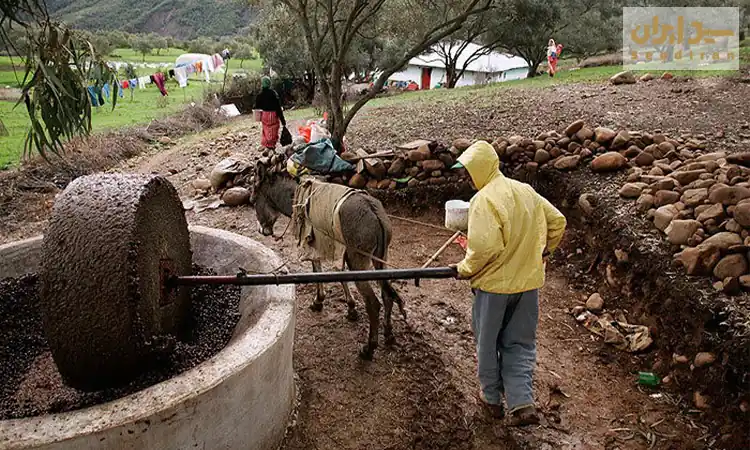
(273, 116)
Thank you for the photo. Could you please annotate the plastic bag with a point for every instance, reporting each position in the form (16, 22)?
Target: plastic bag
(318, 133)
(305, 132)
(286, 137)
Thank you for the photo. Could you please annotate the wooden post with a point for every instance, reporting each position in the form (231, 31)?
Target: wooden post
(441, 249)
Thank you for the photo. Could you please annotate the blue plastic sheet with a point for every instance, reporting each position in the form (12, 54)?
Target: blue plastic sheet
(321, 157)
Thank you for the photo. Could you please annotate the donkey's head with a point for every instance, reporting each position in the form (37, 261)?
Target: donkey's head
(265, 210)
(273, 193)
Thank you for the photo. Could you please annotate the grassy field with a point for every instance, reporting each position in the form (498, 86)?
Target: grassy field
(143, 108)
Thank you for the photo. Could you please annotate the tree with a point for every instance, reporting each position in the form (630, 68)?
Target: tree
(102, 45)
(118, 39)
(331, 28)
(200, 45)
(593, 33)
(281, 44)
(243, 52)
(58, 67)
(523, 27)
(143, 45)
(159, 43)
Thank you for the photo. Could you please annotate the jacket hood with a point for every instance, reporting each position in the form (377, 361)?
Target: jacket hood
(482, 163)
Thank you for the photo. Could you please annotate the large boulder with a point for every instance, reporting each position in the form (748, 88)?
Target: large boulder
(699, 260)
(664, 215)
(723, 240)
(686, 177)
(236, 196)
(728, 195)
(715, 212)
(694, 197)
(625, 77)
(666, 198)
(680, 231)
(742, 214)
(604, 135)
(632, 190)
(567, 162)
(574, 127)
(609, 162)
(731, 266)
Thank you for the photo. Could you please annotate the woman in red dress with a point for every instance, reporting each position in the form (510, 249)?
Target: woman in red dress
(273, 116)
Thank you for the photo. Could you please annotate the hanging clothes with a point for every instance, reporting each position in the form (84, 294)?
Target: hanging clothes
(171, 73)
(199, 66)
(125, 84)
(133, 83)
(218, 61)
(209, 65)
(93, 96)
(105, 90)
(181, 75)
(143, 81)
(159, 80)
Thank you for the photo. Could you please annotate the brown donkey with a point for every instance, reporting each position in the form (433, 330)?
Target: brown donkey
(366, 232)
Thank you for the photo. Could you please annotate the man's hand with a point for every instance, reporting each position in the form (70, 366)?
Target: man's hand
(455, 269)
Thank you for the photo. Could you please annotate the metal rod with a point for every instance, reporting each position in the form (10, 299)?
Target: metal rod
(313, 277)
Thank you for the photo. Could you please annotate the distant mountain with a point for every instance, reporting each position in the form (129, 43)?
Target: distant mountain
(182, 19)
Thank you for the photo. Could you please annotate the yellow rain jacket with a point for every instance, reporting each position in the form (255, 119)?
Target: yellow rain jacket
(510, 226)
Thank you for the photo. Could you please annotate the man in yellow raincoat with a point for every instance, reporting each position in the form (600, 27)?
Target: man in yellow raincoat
(511, 231)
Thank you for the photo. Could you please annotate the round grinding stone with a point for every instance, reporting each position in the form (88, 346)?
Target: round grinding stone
(101, 300)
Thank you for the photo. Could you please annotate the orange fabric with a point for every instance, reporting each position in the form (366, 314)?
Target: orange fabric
(199, 66)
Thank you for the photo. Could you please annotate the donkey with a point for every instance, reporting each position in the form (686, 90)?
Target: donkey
(367, 236)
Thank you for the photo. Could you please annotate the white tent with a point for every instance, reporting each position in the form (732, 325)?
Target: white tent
(192, 58)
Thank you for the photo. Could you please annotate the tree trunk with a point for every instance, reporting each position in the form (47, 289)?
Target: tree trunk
(242, 61)
(451, 78)
(533, 67)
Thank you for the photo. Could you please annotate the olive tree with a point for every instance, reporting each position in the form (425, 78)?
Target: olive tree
(332, 28)
(59, 65)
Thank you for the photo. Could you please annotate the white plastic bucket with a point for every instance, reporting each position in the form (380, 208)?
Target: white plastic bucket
(457, 215)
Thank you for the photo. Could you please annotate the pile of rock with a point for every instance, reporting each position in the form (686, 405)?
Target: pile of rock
(702, 204)
(428, 165)
(607, 149)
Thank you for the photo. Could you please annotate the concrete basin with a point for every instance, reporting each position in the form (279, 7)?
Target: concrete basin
(239, 399)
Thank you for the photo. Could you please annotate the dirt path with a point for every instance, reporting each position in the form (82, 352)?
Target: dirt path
(420, 393)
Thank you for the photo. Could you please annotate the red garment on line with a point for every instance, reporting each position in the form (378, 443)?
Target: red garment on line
(159, 81)
(271, 126)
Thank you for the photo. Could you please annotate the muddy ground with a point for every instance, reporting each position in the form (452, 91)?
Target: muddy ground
(420, 394)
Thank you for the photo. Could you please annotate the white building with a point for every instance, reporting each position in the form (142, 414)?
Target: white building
(428, 69)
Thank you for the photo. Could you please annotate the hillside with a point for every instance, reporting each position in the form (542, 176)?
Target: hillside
(183, 19)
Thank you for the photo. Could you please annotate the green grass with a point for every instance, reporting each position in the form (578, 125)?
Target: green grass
(143, 108)
(170, 55)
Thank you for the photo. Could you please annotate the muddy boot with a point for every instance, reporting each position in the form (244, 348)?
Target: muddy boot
(496, 411)
(524, 416)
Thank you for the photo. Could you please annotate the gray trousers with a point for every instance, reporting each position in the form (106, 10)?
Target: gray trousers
(505, 334)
